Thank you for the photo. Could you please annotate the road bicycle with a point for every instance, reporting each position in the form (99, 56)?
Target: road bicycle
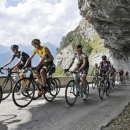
(7, 82)
(75, 88)
(1, 93)
(29, 87)
(103, 87)
(95, 82)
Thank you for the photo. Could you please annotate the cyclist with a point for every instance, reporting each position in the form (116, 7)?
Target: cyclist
(121, 74)
(104, 68)
(113, 74)
(22, 56)
(82, 66)
(127, 74)
(44, 64)
(95, 69)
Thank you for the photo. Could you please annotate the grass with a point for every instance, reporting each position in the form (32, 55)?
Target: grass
(59, 71)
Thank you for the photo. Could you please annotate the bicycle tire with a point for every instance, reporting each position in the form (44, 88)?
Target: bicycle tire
(101, 91)
(58, 84)
(73, 89)
(87, 90)
(93, 83)
(28, 88)
(6, 83)
(51, 94)
(107, 90)
(1, 94)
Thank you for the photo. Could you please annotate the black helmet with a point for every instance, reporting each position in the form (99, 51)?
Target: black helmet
(14, 47)
(96, 64)
(104, 57)
(78, 46)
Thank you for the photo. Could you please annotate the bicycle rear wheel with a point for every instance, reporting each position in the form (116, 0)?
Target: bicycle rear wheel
(58, 84)
(52, 90)
(101, 91)
(0, 94)
(24, 96)
(6, 85)
(71, 92)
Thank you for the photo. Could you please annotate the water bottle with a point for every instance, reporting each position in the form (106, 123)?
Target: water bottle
(15, 79)
(80, 84)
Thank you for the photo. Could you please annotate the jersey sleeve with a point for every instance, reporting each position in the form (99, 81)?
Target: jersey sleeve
(13, 57)
(74, 56)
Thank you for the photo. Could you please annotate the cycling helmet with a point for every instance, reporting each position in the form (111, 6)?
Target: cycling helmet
(35, 41)
(104, 57)
(14, 47)
(96, 64)
(78, 46)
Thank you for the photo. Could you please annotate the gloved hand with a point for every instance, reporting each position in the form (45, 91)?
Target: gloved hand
(1, 68)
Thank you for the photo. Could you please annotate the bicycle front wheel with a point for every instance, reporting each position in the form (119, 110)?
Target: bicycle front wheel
(107, 89)
(23, 92)
(0, 94)
(93, 83)
(71, 92)
(6, 85)
(101, 91)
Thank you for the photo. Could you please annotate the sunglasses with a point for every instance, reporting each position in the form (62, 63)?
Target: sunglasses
(13, 49)
(35, 44)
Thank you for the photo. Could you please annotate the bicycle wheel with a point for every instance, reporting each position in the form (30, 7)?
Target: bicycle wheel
(107, 90)
(24, 96)
(6, 85)
(87, 90)
(51, 90)
(71, 92)
(93, 83)
(101, 91)
(0, 94)
(58, 84)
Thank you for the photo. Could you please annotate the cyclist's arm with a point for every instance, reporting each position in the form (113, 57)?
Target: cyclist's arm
(42, 60)
(7, 63)
(84, 64)
(109, 69)
(29, 60)
(71, 64)
(17, 63)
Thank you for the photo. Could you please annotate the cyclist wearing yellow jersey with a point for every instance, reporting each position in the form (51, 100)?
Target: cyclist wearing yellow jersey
(45, 63)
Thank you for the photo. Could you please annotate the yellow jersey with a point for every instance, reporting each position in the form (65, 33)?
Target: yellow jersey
(44, 51)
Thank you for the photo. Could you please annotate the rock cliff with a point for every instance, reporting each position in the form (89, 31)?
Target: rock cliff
(111, 20)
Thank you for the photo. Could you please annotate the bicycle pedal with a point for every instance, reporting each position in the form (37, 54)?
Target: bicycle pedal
(41, 92)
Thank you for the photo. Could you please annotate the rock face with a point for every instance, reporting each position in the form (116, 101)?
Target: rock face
(111, 20)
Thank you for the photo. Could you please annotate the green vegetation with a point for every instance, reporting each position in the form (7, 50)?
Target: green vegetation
(59, 71)
(90, 46)
(90, 70)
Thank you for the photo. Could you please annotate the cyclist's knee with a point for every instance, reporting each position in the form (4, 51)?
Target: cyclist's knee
(42, 72)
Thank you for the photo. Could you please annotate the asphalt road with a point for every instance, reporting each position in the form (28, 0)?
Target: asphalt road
(57, 115)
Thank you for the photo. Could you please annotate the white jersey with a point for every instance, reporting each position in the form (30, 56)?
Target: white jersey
(79, 58)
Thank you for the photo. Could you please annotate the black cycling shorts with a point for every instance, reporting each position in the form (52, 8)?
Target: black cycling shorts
(84, 70)
(45, 66)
